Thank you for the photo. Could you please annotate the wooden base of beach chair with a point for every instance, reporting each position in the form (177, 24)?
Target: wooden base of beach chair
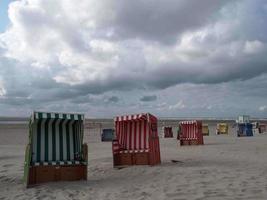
(141, 158)
(184, 142)
(168, 136)
(43, 174)
(222, 133)
(190, 142)
(127, 159)
(243, 135)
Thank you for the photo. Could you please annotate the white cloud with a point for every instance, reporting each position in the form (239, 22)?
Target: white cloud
(91, 43)
(263, 108)
(209, 107)
(2, 89)
(253, 47)
(179, 105)
(162, 106)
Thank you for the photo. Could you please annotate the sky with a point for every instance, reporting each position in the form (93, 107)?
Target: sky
(3, 14)
(172, 58)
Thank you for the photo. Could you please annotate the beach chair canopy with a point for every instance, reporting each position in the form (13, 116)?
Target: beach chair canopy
(222, 127)
(205, 129)
(137, 141)
(245, 129)
(191, 131)
(56, 137)
(167, 131)
(243, 119)
(133, 131)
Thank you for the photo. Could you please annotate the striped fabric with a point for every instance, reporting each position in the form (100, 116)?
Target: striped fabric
(56, 137)
(190, 130)
(141, 116)
(43, 115)
(132, 131)
(59, 163)
(134, 151)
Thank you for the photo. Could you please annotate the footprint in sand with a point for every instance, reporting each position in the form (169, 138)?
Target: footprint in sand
(8, 165)
(170, 195)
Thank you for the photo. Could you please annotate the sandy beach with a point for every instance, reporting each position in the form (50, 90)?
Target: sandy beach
(226, 167)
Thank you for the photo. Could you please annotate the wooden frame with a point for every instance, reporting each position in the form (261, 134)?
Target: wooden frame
(43, 174)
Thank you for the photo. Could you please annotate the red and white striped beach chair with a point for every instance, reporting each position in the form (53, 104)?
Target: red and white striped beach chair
(137, 141)
(191, 133)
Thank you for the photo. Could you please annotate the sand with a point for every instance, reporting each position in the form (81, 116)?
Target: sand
(226, 167)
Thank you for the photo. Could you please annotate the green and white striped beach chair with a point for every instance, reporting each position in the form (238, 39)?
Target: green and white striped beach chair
(55, 150)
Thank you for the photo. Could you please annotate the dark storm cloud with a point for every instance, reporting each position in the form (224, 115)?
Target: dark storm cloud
(113, 99)
(73, 60)
(162, 20)
(81, 100)
(214, 72)
(148, 98)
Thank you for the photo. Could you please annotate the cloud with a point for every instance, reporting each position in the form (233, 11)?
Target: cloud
(148, 98)
(113, 99)
(263, 108)
(253, 47)
(161, 21)
(91, 49)
(82, 100)
(179, 105)
(2, 89)
(109, 52)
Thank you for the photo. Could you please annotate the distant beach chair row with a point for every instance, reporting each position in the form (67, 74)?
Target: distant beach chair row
(222, 128)
(56, 151)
